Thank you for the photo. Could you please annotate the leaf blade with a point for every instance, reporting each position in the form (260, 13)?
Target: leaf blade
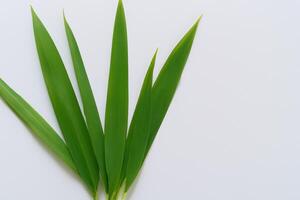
(89, 105)
(166, 83)
(116, 115)
(138, 133)
(37, 124)
(65, 105)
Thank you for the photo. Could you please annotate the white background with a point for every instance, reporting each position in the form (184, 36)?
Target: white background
(233, 130)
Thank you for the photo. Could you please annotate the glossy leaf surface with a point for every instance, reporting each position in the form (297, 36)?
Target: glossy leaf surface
(138, 133)
(166, 83)
(66, 106)
(89, 104)
(37, 124)
(116, 116)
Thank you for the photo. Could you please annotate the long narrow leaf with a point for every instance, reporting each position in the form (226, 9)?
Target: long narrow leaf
(35, 122)
(66, 106)
(166, 83)
(116, 116)
(138, 133)
(89, 104)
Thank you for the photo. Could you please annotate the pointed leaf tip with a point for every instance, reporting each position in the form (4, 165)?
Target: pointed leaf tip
(151, 67)
(199, 19)
(33, 13)
(155, 54)
(196, 24)
(65, 19)
(64, 15)
(120, 5)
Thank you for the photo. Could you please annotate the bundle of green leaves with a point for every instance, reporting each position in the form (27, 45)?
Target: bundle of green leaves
(112, 155)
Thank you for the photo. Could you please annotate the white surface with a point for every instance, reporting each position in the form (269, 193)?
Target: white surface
(232, 131)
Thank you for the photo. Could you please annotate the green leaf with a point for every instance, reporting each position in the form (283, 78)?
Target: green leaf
(35, 122)
(66, 106)
(89, 105)
(138, 133)
(116, 116)
(166, 83)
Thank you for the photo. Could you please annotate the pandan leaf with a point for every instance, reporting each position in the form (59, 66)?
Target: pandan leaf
(166, 83)
(66, 106)
(35, 122)
(87, 149)
(138, 133)
(89, 104)
(116, 116)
